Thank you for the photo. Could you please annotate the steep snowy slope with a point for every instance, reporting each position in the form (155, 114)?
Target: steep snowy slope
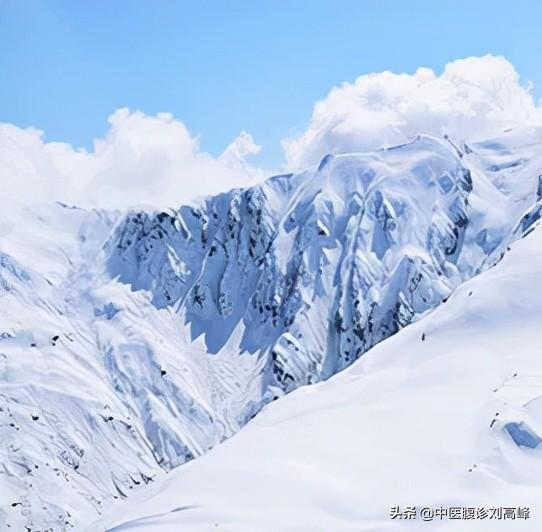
(71, 438)
(446, 413)
(309, 271)
(132, 343)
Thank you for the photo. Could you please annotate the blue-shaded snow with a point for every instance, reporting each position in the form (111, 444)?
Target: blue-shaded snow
(522, 435)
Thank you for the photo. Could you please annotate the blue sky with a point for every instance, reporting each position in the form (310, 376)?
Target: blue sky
(223, 67)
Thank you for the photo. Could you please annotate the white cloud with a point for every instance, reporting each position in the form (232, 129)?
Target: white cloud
(473, 98)
(141, 160)
(155, 160)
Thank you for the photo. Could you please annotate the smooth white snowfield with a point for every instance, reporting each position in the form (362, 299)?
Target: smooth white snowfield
(411, 423)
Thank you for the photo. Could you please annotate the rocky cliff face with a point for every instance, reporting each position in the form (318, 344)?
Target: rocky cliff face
(312, 270)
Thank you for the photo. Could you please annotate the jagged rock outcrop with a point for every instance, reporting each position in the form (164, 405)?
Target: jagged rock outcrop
(311, 270)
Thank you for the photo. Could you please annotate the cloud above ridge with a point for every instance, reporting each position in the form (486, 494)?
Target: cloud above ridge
(472, 99)
(155, 160)
(151, 160)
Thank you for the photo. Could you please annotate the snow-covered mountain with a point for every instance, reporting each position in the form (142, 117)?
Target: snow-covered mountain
(133, 343)
(445, 414)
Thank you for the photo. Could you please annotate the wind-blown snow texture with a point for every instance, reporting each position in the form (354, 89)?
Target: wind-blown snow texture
(131, 344)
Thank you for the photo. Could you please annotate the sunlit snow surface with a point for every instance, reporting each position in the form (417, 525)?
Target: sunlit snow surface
(130, 344)
(419, 423)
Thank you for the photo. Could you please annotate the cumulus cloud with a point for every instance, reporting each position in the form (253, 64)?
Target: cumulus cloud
(155, 160)
(473, 98)
(151, 160)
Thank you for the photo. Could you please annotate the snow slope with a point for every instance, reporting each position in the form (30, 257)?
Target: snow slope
(72, 439)
(309, 271)
(130, 344)
(447, 412)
